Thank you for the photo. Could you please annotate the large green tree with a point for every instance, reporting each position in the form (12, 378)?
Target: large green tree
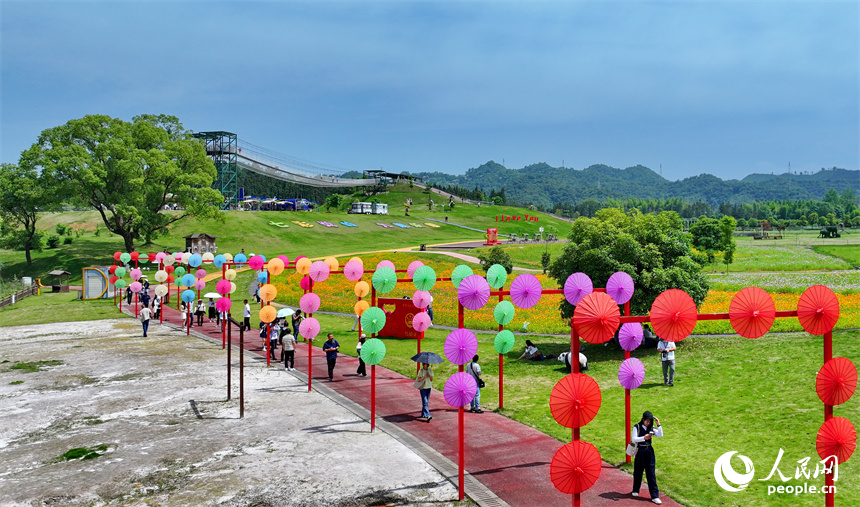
(707, 236)
(653, 249)
(131, 173)
(23, 194)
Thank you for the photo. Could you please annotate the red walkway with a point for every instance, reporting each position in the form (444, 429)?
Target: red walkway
(508, 457)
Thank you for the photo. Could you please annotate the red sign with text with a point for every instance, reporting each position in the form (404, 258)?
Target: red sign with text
(398, 318)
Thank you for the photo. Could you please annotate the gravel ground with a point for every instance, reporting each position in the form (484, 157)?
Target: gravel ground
(153, 411)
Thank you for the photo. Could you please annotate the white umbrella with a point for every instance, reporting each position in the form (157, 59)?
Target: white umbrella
(285, 312)
(213, 295)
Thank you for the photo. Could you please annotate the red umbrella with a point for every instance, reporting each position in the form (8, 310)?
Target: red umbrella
(596, 317)
(818, 310)
(673, 315)
(837, 437)
(575, 467)
(752, 312)
(836, 381)
(575, 400)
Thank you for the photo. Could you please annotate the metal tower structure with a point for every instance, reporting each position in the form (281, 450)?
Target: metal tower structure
(223, 148)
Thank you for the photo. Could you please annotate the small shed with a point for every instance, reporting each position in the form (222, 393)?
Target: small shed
(57, 284)
(200, 243)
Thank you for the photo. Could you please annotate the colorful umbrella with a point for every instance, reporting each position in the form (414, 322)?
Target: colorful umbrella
(428, 357)
(222, 287)
(230, 274)
(360, 307)
(239, 259)
(836, 381)
(268, 292)
(421, 322)
(303, 265)
(168, 260)
(195, 260)
(460, 273)
(460, 389)
(275, 266)
(125, 257)
(268, 313)
(309, 303)
(353, 271)
(818, 310)
(179, 271)
(212, 295)
(575, 467)
(504, 341)
(461, 346)
(373, 320)
(424, 278)
(262, 277)
(284, 259)
(631, 373)
(673, 315)
(752, 312)
(384, 279)
(386, 264)
(576, 287)
(319, 271)
(120, 271)
(836, 437)
(620, 286)
(222, 305)
(373, 351)
(525, 290)
(497, 275)
(207, 256)
(188, 280)
(285, 312)
(135, 274)
(504, 312)
(135, 286)
(218, 261)
(362, 289)
(413, 266)
(596, 317)
(332, 263)
(161, 291)
(119, 284)
(473, 292)
(256, 262)
(306, 283)
(200, 274)
(421, 299)
(309, 328)
(630, 336)
(575, 400)
(199, 285)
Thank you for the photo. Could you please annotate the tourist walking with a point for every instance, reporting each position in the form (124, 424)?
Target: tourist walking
(200, 312)
(642, 435)
(246, 315)
(330, 347)
(297, 320)
(156, 307)
(288, 348)
(362, 370)
(274, 332)
(474, 369)
(424, 384)
(183, 312)
(667, 358)
(213, 315)
(145, 314)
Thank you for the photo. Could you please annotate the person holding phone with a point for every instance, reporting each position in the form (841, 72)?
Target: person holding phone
(642, 435)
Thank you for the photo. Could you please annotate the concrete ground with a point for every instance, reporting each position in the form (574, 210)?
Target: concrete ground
(154, 411)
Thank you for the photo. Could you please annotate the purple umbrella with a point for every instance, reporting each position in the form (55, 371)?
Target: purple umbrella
(421, 298)
(474, 292)
(319, 271)
(413, 266)
(385, 263)
(461, 346)
(631, 373)
(620, 286)
(576, 287)
(309, 328)
(421, 322)
(630, 336)
(525, 290)
(460, 389)
(353, 271)
(309, 303)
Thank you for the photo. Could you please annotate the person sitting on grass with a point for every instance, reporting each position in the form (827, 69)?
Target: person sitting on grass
(533, 353)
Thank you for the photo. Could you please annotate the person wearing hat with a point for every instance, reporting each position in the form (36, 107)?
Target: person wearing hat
(362, 369)
(642, 435)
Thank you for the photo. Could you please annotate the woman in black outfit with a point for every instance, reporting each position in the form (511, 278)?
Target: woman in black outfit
(642, 435)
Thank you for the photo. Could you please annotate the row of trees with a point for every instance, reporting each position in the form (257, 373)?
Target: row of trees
(130, 172)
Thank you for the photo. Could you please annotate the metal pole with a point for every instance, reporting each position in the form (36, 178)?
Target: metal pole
(229, 355)
(241, 372)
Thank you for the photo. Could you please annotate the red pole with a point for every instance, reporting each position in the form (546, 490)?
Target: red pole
(627, 397)
(229, 359)
(828, 414)
(223, 327)
(135, 294)
(372, 397)
(241, 372)
(462, 438)
(501, 367)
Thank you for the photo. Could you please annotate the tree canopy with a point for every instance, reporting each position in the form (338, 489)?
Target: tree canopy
(652, 249)
(23, 194)
(131, 173)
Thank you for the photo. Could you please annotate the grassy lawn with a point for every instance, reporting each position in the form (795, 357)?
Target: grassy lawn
(848, 253)
(57, 307)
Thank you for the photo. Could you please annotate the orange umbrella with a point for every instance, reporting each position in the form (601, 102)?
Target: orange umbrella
(837, 437)
(836, 381)
(575, 467)
(818, 310)
(575, 400)
(673, 315)
(752, 312)
(596, 317)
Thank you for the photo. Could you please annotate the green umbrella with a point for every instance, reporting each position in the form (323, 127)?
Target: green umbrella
(497, 275)
(372, 320)
(178, 272)
(384, 280)
(373, 351)
(504, 341)
(504, 312)
(125, 257)
(119, 284)
(120, 272)
(460, 272)
(424, 278)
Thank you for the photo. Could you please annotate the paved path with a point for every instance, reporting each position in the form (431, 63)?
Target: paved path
(507, 459)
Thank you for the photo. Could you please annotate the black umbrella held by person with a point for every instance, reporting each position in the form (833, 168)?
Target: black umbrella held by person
(428, 357)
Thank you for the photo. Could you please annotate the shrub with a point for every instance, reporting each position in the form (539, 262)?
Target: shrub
(53, 241)
(62, 229)
(67, 240)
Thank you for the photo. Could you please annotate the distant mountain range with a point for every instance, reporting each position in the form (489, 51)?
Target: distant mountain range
(544, 185)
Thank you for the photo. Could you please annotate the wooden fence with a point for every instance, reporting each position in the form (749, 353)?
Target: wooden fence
(18, 295)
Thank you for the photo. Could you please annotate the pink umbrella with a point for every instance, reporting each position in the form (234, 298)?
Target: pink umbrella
(223, 304)
(576, 287)
(414, 265)
(285, 259)
(200, 274)
(421, 322)
(620, 286)
(223, 287)
(630, 336)
(160, 256)
(353, 271)
(199, 285)
(421, 298)
(135, 286)
(460, 389)
(319, 271)
(309, 328)
(461, 346)
(256, 262)
(135, 274)
(309, 303)
(474, 292)
(306, 283)
(386, 263)
(525, 290)
(631, 373)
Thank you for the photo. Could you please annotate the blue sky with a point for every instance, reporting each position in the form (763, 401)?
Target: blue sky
(726, 88)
